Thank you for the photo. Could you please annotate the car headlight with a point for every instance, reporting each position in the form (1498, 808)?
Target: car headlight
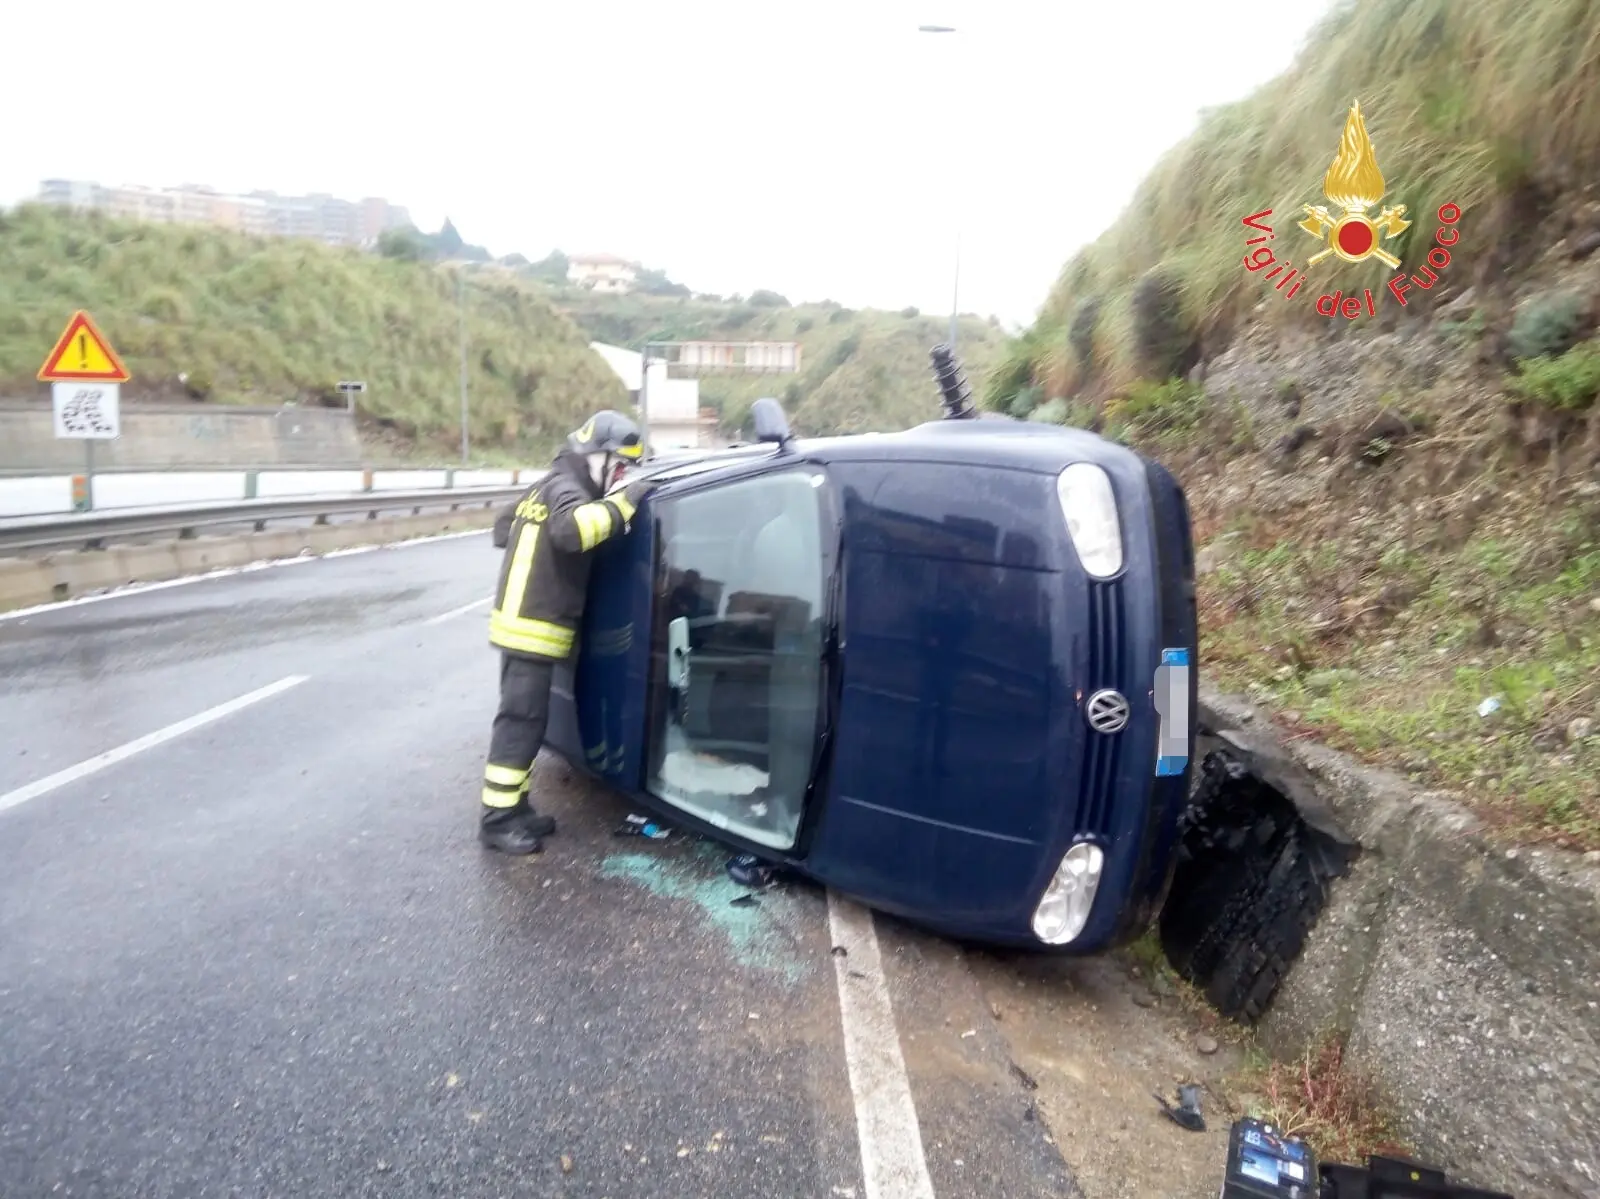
(1090, 507)
(1064, 908)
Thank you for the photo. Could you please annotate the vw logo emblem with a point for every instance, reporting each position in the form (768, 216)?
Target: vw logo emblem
(1107, 711)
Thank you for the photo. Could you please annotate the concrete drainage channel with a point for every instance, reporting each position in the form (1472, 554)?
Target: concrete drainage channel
(1318, 896)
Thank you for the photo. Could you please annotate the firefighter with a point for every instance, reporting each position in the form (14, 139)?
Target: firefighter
(538, 607)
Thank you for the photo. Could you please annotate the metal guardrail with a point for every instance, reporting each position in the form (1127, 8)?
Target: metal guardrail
(90, 530)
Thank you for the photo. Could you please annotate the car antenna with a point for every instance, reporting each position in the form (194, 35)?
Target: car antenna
(954, 394)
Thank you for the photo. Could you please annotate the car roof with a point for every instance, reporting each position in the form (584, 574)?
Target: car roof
(995, 443)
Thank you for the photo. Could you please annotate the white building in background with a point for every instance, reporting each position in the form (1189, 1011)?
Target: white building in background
(676, 421)
(602, 272)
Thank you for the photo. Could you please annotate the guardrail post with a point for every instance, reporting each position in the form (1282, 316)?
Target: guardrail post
(366, 479)
(449, 477)
(516, 476)
(82, 500)
(251, 481)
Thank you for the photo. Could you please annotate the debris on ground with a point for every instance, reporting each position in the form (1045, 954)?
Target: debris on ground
(642, 826)
(747, 900)
(749, 871)
(1187, 1113)
(1205, 1043)
(1022, 1076)
(566, 1164)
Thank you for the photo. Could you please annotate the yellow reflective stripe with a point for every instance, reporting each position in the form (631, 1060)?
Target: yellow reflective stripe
(623, 506)
(500, 799)
(529, 636)
(504, 776)
(521, 568)
(630, 451)
(594, 524)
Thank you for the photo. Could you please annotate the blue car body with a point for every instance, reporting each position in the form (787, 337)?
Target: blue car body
(950, 761)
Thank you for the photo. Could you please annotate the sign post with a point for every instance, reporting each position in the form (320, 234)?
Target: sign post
(86, 376)
(351, 389)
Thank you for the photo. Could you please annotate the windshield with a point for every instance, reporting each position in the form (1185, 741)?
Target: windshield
(736, 653)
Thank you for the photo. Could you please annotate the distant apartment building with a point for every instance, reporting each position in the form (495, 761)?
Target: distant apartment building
(777, 357)
(319, 217)
(602, 272)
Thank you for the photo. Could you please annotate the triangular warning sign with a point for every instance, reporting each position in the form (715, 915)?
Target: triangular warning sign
(83, 355)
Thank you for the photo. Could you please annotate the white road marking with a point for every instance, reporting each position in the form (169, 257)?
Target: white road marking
(892, 1162)
(225, 572)
(91, 765)
(454, 612)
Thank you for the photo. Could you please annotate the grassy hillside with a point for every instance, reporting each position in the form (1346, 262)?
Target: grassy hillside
(1401, 515)
(860, 370)
(235, 319)
(1492, 105)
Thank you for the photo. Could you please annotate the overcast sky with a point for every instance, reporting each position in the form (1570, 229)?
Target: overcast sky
(824, 149)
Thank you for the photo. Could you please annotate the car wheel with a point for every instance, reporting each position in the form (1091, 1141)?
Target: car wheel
(1251, 882)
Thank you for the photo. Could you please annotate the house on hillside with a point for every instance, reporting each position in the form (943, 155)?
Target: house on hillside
(676, 420)
(602, 272)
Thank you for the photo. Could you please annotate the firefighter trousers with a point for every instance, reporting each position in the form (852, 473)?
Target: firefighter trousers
(518, 729)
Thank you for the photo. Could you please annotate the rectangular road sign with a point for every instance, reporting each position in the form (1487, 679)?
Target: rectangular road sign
(349, 386)
(82, 355)
(87, 411)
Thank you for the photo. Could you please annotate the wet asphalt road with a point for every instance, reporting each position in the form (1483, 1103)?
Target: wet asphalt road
(266, 957)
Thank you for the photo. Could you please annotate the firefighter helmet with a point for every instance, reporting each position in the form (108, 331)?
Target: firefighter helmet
(607, 432)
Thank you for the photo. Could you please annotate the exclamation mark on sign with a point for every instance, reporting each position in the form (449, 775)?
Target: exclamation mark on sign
(83, 351)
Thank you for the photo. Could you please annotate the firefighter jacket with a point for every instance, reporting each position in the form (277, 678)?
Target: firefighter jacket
(544, 576)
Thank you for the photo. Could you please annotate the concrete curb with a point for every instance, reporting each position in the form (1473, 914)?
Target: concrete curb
(26, 582)
(1464, 975)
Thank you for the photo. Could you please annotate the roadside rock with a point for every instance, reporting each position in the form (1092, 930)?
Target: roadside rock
(1578, 728)
(1223, 550)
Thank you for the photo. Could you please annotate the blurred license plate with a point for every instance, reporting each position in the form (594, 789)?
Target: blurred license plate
(1172, 704)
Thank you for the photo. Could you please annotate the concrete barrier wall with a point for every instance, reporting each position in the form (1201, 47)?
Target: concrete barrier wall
(284, 484)
(47, 495)
(139, 490)
(484, 478)
(35, 495)
(159, 436)
(28, 582)
(1463, 974)
(407, 480)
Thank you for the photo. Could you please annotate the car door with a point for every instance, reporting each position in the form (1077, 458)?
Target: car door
(737, 636)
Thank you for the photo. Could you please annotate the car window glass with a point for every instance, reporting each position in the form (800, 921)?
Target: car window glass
(736, 653)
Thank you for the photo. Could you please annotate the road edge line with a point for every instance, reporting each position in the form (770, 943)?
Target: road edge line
(893, 1162)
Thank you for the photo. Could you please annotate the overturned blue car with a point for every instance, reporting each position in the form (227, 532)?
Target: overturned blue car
(949, 671)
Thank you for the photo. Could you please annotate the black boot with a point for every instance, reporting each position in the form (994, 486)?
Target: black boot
(507, 830)
(538, 825)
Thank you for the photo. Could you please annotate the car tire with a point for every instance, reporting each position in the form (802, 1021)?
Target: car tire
(1251, 884)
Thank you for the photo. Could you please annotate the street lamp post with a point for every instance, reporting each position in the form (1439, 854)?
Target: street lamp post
(955, 290)
(461, 316)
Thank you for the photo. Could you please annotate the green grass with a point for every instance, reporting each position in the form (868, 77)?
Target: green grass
(1569, 382)
(266, 320)
(1390, 656)
(1465, 103)
(860, 370)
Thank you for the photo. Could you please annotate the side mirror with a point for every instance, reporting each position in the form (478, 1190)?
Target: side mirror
(771, 425)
